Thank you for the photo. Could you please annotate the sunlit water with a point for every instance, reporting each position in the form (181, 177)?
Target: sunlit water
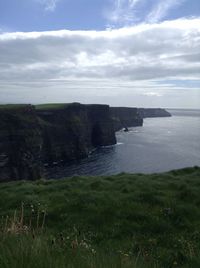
(160, 145)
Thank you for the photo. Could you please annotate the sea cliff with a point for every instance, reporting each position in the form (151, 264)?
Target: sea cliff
(72, 131)
(153, 112)
(20, 143)
(124, 117)
(32, 137)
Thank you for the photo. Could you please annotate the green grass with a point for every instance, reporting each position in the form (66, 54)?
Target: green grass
(40, 252)
(44, 106)
(38, 107)
(117, 221)
(51, 106)
(12, 106)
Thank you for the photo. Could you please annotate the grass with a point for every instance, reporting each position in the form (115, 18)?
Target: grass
(112, 221)
(12, 106)
(51, 106)
(38, 107)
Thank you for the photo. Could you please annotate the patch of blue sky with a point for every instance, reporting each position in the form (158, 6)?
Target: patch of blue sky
(34, 15)
(187, 83)
(23, 15)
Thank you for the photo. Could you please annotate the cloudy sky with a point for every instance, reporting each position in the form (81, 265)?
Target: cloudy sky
(143, 53)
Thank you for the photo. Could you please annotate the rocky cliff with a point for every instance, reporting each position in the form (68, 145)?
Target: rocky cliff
(20, 143)
(31, 138)
(124, 117)
(153, 112)
(72, 131)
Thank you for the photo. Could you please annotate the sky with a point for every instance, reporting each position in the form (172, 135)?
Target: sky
(143, 53)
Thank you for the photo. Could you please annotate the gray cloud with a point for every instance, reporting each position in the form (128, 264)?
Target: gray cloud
(141, 52)
(135, 55)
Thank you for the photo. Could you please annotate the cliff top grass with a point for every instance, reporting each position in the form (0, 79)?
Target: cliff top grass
(37, 107)
(50, 106)
(13, 106)
(155, 217)
(47, 106)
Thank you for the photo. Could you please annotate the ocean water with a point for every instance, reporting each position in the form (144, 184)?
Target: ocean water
(161, 144)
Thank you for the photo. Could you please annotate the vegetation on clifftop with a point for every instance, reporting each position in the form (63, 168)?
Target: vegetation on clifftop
(12, 106)
(50, 106)
(112, 221)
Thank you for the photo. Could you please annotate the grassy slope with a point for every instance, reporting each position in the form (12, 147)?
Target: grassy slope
(155, 217)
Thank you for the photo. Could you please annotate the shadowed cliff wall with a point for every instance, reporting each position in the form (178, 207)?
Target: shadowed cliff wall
(20, 143)
(30, 138)
(71, 132)
(124, 117)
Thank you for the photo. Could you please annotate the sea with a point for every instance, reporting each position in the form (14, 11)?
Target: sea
(161, 144)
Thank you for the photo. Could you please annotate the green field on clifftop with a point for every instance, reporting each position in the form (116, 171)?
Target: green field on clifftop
(12, 106)
(127, 220)
(51, 106)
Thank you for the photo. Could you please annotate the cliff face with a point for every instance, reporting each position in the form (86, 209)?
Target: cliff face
(101, 130)
(69, 133)
(124, 117)
(20, 143)
(30, 138)
(153, 112)
(33, 137)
